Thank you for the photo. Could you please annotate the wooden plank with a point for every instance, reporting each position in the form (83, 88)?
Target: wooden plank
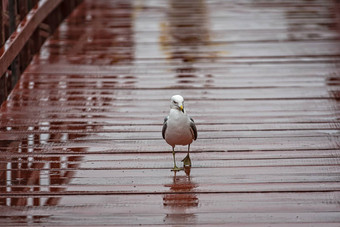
(265, 68)
(217, 94)
(75, 127)
(215, 144)
(123, 210)
(155, 135)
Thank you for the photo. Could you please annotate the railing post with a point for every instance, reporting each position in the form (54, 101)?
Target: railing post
(3, 89)
(29, 5)
(12, 15)
(12, 7)
(2, 31)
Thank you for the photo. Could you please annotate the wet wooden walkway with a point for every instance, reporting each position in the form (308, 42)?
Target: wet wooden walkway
(81, 136)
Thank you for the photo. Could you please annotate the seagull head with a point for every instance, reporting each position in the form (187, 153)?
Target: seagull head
(177, 102)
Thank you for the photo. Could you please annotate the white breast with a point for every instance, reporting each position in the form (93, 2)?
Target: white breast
(178, 129)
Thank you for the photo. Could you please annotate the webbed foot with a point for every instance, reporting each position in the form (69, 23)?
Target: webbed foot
(186, 161)
(175, 169)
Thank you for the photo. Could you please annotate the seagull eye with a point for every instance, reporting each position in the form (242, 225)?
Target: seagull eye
(175, 102)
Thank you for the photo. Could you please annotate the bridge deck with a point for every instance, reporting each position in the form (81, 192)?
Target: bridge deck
(81, 133)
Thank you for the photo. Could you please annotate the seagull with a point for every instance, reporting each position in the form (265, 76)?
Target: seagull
(179, 129)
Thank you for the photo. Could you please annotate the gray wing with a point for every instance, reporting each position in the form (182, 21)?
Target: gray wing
(164, 126)
(193, 128)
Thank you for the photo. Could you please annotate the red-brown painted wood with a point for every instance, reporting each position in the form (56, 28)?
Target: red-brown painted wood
(80, 135)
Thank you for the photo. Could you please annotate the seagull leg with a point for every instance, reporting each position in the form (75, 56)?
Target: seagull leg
(186, 161)
(175, 167)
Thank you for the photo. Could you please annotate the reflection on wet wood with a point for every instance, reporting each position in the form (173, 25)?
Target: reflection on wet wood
(81, 137)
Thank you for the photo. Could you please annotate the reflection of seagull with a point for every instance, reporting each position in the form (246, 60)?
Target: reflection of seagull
(182, 191)
(179, 129)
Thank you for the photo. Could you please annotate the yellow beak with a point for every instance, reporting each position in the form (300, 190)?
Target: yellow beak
(181, 107)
